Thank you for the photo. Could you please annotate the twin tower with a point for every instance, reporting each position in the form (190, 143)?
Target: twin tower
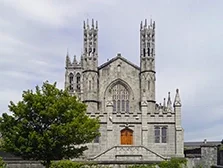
(122, 95)
(82, 77)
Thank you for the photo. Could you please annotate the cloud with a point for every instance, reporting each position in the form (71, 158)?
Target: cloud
(34, 37)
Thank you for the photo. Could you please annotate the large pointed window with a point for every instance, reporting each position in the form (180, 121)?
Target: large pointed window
(120, 96)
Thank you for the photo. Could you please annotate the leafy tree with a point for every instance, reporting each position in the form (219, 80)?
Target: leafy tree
(2, 163)
(47, 125)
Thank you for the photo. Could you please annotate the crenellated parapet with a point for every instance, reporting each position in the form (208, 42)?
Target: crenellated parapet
(74, 64)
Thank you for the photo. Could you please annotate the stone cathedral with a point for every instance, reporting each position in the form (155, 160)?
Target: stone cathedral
(134, 128)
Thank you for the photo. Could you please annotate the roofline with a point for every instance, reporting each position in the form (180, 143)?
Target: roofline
(115, 58)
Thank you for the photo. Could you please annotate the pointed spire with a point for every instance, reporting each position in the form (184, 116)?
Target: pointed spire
(82, 59)
(75, 60)
(177, 101)
(160, 109)
(164, 102)
(169, 103)
(154, 25)
(84, 25)
(145, 22)
(92, 23)
(151, 22)
(87, 23)
(68, 62)
(141, 25)
(96, 24)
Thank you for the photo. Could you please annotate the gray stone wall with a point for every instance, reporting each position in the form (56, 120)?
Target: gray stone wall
(143, 114)
(166, 149)
(209, 155)
(126, 73)
(220, 157)
(24, 164)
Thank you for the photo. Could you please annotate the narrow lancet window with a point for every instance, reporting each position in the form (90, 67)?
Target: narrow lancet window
(118, 108)
(71, 80)
(144, 52)
(148, 52)
(164, 134)
(157, 134)
(127, 106)
(78, 84)
(148, 85)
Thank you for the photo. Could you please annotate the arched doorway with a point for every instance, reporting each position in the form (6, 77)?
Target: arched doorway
(126, 136)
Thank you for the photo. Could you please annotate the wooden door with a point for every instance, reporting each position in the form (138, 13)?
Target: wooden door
(126, 137)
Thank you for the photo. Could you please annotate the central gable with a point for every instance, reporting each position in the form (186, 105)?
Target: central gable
(120, 59)
(119, 71)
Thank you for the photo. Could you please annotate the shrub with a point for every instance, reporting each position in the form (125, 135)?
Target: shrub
(143, 166)
(71, 164)
(173, 163)
(66, 164)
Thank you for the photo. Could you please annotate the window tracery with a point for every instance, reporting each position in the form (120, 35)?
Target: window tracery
(120, 96)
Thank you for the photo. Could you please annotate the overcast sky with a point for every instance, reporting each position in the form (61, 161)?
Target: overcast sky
(35, 35)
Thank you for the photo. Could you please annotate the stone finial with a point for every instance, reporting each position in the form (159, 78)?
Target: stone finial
(164, 102)
(169, 103)
(87, 23)
(177, 101)
(75, 60)
(84, 25)
(160, 109)
(145, 23)
(151, 22)
(82, 60)
(92, 23)
(154, 25)
(68, 62)
(96, 24)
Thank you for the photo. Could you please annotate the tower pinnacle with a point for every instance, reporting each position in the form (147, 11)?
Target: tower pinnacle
(177, 101)
(169, 103)
(68, 62)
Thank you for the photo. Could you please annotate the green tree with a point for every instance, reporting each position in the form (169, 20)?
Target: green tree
(47, 125)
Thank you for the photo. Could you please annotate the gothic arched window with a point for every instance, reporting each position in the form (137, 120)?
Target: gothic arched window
(120, 96)
(78, 79)
(71, 79)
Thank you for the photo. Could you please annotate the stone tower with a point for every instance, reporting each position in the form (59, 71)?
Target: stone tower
(147, 63)
(90, 66)
(134, 128)
(73, 76)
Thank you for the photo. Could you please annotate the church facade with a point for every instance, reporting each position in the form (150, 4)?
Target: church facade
(133, 127)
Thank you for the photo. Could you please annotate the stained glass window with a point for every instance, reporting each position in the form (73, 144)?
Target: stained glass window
(120, 96)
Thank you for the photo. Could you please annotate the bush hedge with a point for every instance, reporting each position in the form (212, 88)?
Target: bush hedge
(172, 163)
